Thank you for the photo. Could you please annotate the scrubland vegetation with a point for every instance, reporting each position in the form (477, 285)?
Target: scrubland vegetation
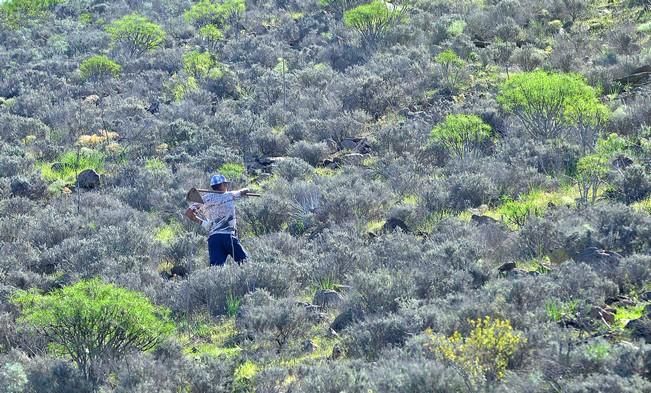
(456, 195)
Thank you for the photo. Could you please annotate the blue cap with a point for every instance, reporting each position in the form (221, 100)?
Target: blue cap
(217, 179)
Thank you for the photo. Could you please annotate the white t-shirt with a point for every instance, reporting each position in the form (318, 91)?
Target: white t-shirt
(218, 211)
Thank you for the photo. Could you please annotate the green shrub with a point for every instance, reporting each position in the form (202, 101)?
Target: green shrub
(517, 212)
(232, 170)
(136, 34)
(178, 88)
(19, 8)
(98, 67)
(484, 354)
(211, 34)
(373, 20)
(212, 12)
(592, 169)
(198, 64)
(547, 103)
(94, 322)
(456, 28)
(451, 68)
(461, 134)
(71, 163)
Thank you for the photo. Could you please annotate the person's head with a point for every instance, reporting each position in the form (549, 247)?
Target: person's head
(219, 183)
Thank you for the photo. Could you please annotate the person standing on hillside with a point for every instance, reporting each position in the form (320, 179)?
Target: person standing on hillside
(217, 216)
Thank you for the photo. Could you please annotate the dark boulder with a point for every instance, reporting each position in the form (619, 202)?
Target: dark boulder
(622, 162)
(179, 271)
(506, 267)
(88, 179)
(21, 187)
(646, 296)
(638, 77)
(640, 329)
(619, 301)
(345, 319)
(357, 144)
(394, 223)
(154, 107)
(594, 255)
(483, 220)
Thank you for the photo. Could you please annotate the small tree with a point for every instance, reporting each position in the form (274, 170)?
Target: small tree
(374, 20)
(461, 134)
(93, 322)
(214, 12)
(592, 170)
(450, 69)
(136, 34)
(211, 35)
(98, 67)
(197, 64)
(547, 103)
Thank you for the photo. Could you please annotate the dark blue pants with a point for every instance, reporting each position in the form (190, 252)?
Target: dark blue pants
(221, 245)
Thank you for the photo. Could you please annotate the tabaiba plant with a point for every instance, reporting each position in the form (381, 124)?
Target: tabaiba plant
(461, 134)
(136, 34)
(548, 103)
(93, 322)
(374, 19)
(99, 67)
(484, 354)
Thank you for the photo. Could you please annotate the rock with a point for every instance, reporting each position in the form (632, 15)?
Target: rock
(593, 254)
(351, 159)
(329, 163)
(638, 77)
(309, 346)
(483, 220)
(619, 301)
(99, 8)
(646, 296)
(506, 267)
(605, 314)
(58, 166)
(640, 329)
(327, 298)
(88, 179)
(337, 352)
(92, 99)
(21, 187)
(357, 144)
(265, 161)
(621, 162)
(394, 223)
(179, 271)
(344, 320)
(154, 107)
(519, 273)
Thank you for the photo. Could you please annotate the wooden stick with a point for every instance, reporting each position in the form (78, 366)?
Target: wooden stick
(253, 194)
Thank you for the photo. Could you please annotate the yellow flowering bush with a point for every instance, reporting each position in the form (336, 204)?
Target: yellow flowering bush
(482, 355)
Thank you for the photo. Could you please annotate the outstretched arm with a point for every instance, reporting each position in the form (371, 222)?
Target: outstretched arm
(191, 213)
(241, 193)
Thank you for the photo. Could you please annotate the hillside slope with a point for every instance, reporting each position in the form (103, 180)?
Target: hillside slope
(456, 195)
